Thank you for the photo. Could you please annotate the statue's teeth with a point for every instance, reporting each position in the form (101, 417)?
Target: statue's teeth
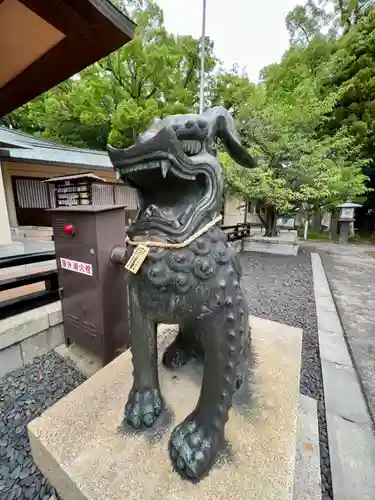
(165, 166)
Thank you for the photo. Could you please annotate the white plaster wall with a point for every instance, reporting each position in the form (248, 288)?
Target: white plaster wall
(9, 196)
(5, 235)
(234, 211)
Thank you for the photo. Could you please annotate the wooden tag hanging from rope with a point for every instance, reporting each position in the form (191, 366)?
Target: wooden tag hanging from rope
(136, 260)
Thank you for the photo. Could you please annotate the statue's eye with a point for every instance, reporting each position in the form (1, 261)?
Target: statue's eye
(191, 147)
(202, 125)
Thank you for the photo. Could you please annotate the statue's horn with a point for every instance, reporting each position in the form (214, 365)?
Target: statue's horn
(225, 129)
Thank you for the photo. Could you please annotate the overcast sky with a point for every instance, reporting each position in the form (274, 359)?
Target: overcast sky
(250, 33)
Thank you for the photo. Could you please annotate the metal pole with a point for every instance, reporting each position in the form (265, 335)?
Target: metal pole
(305, 232)
(203, 53)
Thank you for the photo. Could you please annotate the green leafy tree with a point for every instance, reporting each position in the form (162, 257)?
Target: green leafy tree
(351, 73)
(329, 17)
(306, 21)
(349, 12)
(155, 74)
(296, 166)
(299, 64)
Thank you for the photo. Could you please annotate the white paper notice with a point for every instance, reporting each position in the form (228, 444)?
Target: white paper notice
(76, 267)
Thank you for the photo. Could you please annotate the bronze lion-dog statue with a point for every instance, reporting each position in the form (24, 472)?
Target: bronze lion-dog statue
(190, 277)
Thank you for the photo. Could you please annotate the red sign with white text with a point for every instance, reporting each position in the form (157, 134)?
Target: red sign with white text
(76, 267)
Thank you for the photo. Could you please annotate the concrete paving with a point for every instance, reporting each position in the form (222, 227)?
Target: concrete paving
(21, 245)
(350, 435)
(351, 275)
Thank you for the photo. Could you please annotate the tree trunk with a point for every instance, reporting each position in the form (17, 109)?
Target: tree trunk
(316, 222)
(334, 226)
(271, 218)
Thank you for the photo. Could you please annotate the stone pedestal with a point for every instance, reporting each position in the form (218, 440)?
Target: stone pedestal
(85, 452)
(344, 231)
(285, 244)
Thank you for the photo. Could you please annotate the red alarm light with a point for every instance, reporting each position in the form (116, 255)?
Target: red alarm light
(70, 229)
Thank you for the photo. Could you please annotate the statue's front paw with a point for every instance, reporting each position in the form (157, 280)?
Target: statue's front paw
(143, 407)
(193, 447)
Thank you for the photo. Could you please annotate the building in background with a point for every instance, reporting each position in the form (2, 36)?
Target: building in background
(238, 211)
(27, 161)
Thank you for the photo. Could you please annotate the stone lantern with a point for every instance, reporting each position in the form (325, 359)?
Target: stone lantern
(346, 219)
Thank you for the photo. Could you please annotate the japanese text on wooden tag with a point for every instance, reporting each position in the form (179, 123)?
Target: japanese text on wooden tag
(136, 260)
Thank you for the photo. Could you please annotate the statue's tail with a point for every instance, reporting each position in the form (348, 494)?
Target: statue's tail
(225, 130)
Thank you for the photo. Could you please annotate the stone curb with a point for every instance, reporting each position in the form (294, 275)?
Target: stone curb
(25, 325)
(30, 334)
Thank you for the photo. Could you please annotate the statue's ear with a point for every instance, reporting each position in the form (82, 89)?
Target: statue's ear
(224, 128)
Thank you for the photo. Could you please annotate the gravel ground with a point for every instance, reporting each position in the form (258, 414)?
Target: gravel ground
(24, 395)
(281, 288)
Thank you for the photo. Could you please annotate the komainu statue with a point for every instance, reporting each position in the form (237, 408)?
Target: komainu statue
(190, 276)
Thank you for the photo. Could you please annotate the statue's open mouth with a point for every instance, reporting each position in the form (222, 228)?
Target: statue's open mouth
(175, 191)
(166, 194)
